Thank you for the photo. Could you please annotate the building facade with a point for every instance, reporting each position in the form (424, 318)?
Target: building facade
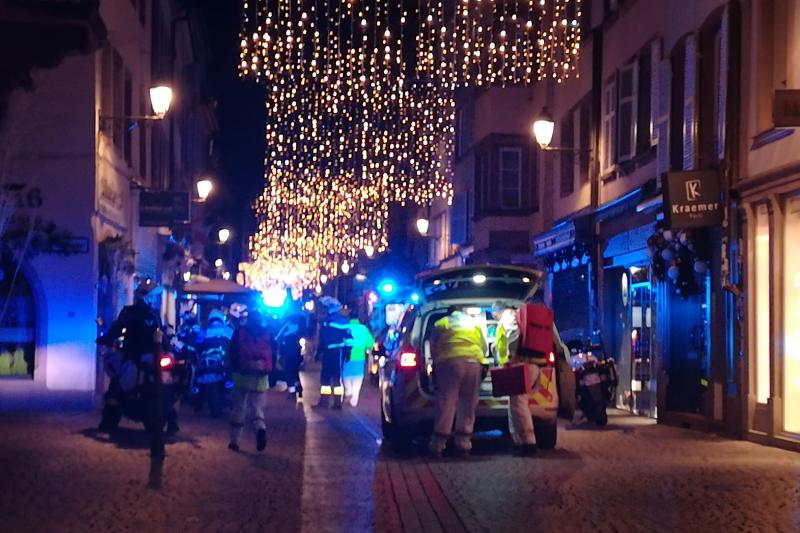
(769, 194)
(77, 154)
(660, 102)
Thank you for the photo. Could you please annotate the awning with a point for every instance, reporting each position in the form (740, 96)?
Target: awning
(216, 286)
(555, 239)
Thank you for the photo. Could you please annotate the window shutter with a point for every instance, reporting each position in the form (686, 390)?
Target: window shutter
(584, 139)
(655, 87)
(689, 104)
(722, 77)
(458, 218)
(662, 122)
(626, 136)
(609, 126)
(567, 157)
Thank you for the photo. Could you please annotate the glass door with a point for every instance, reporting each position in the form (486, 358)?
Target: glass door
(642, 360)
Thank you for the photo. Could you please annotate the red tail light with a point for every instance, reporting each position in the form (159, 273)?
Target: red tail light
(165, 361)
(408, 360)
(551, 358)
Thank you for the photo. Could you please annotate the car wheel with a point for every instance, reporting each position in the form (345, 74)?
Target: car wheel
(400, 441)
(546, 432)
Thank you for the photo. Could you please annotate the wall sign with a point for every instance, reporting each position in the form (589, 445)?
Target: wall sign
(693, 199)
(786, 108)
(163, 208)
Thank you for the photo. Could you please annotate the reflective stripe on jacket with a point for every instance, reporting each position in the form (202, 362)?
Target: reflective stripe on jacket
(458, 335)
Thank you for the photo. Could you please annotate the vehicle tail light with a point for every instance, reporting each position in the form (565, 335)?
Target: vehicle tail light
(165, 361)
(408, 360)
(551, 358)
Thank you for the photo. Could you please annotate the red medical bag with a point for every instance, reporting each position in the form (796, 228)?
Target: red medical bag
(535, 330)
(511, 380)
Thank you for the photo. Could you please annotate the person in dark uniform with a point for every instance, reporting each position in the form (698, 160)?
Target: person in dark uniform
(333, 350)
(136, 328)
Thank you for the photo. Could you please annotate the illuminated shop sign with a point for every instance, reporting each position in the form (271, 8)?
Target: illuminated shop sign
(693, 199)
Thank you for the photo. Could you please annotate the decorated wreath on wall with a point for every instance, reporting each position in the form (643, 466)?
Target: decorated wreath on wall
(681, 257)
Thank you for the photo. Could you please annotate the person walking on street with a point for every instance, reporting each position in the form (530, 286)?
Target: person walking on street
(333, 350)
(212, 354)
(355, 368)
(458, 347)
(250, 359)
(290, 352)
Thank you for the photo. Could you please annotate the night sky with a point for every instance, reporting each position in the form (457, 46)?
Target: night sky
(240, 112)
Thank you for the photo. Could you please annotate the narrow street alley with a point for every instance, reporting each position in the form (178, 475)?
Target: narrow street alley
(326, 471)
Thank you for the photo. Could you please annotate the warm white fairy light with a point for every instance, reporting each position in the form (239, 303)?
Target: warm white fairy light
(355, 123)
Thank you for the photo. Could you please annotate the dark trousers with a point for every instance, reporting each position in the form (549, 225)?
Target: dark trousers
(330, 377)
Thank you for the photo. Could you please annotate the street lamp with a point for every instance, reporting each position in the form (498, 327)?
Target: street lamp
(345, 268)
(160, 99)
(224, 234)
(369, 250)
(204, 188)
(422, 226)
(543, 128)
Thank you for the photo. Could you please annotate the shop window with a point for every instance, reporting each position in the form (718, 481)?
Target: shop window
(627, 111)
(762, 304)
(17, 324)
(791, 314)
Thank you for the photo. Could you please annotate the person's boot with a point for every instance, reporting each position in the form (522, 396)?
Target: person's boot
(525, 450)
(337, 403)
(261, 439)
(233, 446)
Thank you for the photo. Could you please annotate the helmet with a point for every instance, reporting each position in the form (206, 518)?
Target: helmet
(145, 288)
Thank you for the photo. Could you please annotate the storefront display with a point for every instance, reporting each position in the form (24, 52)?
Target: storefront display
(791, 317)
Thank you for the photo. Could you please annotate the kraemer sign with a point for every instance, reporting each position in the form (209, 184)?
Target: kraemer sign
(693, 199)
(163, 208)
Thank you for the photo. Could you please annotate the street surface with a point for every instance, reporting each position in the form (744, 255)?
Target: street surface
(326, 471)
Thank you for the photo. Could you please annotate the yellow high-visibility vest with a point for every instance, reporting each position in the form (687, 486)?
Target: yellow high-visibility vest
(458, 335)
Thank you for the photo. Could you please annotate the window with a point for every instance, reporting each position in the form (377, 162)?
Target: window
(778, 53)
(17, 340)
(609, 127)
(143, 103)
(791, 314)
(627, 111)
(510, 178)
(762, 307)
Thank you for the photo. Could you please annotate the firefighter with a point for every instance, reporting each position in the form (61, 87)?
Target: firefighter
(458, 346)
(333, 350)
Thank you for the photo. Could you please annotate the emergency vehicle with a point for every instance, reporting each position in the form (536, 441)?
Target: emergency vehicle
(407, 380)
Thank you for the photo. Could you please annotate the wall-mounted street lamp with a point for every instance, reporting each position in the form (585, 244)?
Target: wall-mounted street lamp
(204, 188)
(543, 128)
(224, 234)
(423, 224)
(160, 100)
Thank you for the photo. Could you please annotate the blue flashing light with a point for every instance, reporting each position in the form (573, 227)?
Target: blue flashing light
(387, 286)
(415, 297)
(274, 297)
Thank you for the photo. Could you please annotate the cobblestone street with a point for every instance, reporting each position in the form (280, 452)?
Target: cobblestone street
(326, 471)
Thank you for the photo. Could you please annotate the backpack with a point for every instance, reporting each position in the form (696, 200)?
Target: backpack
(255, 353)
(535, 330)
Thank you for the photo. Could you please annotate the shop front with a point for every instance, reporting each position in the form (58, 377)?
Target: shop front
(657, 300)
(771, 224)
(566, 251)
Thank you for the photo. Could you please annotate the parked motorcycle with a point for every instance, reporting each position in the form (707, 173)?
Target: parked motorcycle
(596, 380)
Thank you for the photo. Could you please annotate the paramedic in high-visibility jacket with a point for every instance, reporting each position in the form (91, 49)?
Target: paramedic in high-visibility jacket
(520, 419)
(458, 347)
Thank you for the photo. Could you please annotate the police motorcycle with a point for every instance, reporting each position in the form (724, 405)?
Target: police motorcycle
(596, 380)
(133, 393)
